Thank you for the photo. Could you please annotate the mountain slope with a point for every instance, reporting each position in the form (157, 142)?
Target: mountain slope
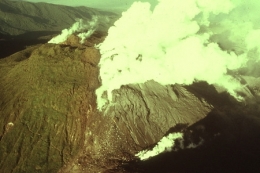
(19, 17)
(24, 23)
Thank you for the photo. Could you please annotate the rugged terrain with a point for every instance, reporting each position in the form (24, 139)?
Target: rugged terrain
(23, 23)
(49, 121)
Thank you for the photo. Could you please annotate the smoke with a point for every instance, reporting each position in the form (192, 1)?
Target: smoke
(179, 42)
(78, 26)
(167, 144)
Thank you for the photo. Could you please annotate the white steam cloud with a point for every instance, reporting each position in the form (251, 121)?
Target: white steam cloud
(166, 144)
(178, 42)
(78, 26)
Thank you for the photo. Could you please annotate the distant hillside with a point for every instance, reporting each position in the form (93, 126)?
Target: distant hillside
(24, 23)
(19, 17)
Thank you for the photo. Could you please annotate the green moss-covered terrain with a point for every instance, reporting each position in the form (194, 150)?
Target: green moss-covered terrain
(45, 94)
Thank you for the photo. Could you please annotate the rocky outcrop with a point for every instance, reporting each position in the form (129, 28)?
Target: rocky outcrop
(140, 116)
(149, 110)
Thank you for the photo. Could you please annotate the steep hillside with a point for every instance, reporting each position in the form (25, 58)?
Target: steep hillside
(19, 17)
(24, 23)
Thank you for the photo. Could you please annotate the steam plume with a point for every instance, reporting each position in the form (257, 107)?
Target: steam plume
(166, 144)
(178, 42)
(78, 26)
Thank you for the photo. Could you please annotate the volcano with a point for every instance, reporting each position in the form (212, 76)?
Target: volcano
(50, 120)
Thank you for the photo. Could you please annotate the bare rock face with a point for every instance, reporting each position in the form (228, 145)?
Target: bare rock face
(138, 118)
(152, 109)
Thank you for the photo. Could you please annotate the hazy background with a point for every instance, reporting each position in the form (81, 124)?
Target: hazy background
(119, 5)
